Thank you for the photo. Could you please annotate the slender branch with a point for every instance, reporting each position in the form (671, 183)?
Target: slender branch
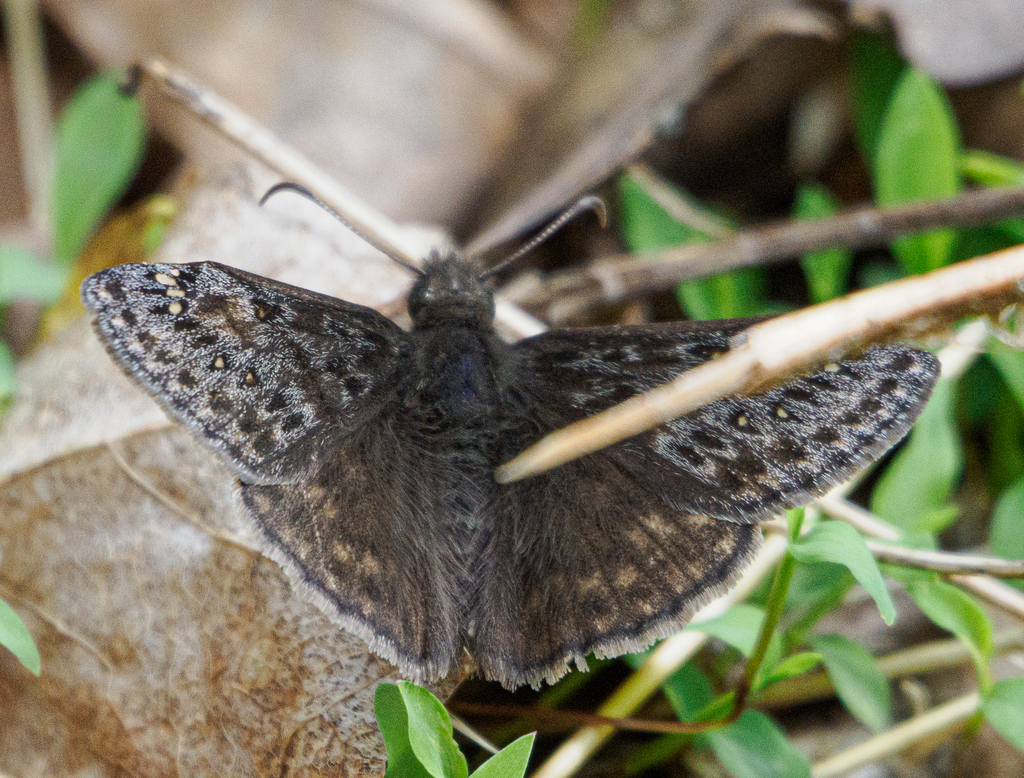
(901, 736)
(947, 562)
(247, 134)
(570, 719)
(32, 104)
(623, 277)
(995, 592)
(471, 733)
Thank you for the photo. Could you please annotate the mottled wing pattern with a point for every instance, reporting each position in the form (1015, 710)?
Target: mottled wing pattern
(262, 372)
(298, 392)
(748, 458)
(366, 540)
(608, 553)
(583, 559)
(741, 459)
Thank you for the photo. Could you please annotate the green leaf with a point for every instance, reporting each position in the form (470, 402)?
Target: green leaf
(861, 687)
(917, 160)
(811, 582)
(922, 475)
(7, 372)
(646, 226)
(430, 733)
(1010, 364)
(754, 747)
(739, 627)
(393, 721)
(24, 277)
(875, 67)
(991, 170)
(15, 637)
(688, 691)
(1006, 532)
(826, 270)
(510, 762)
(99, 142)
(731, 295)
(792, 666)
(957, 612)
(1004, 710)
(836, 541)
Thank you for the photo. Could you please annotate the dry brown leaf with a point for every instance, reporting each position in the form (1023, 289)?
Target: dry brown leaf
(409, 105)
(958, 43)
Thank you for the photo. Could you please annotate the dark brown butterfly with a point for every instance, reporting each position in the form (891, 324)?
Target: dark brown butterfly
(365, 456)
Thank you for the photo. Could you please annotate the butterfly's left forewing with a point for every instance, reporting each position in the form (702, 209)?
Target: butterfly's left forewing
(738, 458)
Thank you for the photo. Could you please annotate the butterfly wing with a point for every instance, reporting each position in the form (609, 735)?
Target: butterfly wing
(747, 458)
(262, 372)
(609, 552)
(364, 541)
(582, 560)
(294, 390)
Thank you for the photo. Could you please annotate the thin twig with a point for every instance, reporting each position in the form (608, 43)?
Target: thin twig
(947, 562)
(773, 350)
(287, 162)
(250, 136)
(471, 733)
(570, 719)
(901, 736)
(32, 105)
(995, 592)
(623, 277)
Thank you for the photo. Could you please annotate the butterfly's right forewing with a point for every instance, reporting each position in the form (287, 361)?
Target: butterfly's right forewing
(264, 373)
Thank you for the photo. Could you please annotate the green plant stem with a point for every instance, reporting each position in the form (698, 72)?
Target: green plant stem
(772, 614)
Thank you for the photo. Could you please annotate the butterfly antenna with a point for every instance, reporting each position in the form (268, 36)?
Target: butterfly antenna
(588, 203)
(291, 186)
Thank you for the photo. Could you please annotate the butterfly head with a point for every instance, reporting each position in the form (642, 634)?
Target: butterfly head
(450, 291)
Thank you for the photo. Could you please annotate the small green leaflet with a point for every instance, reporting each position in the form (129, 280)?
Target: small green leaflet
(860, 685)
(835, 541)
(15, 637)
(417, 732)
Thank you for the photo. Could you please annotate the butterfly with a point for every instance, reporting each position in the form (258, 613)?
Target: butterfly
(365, 457)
